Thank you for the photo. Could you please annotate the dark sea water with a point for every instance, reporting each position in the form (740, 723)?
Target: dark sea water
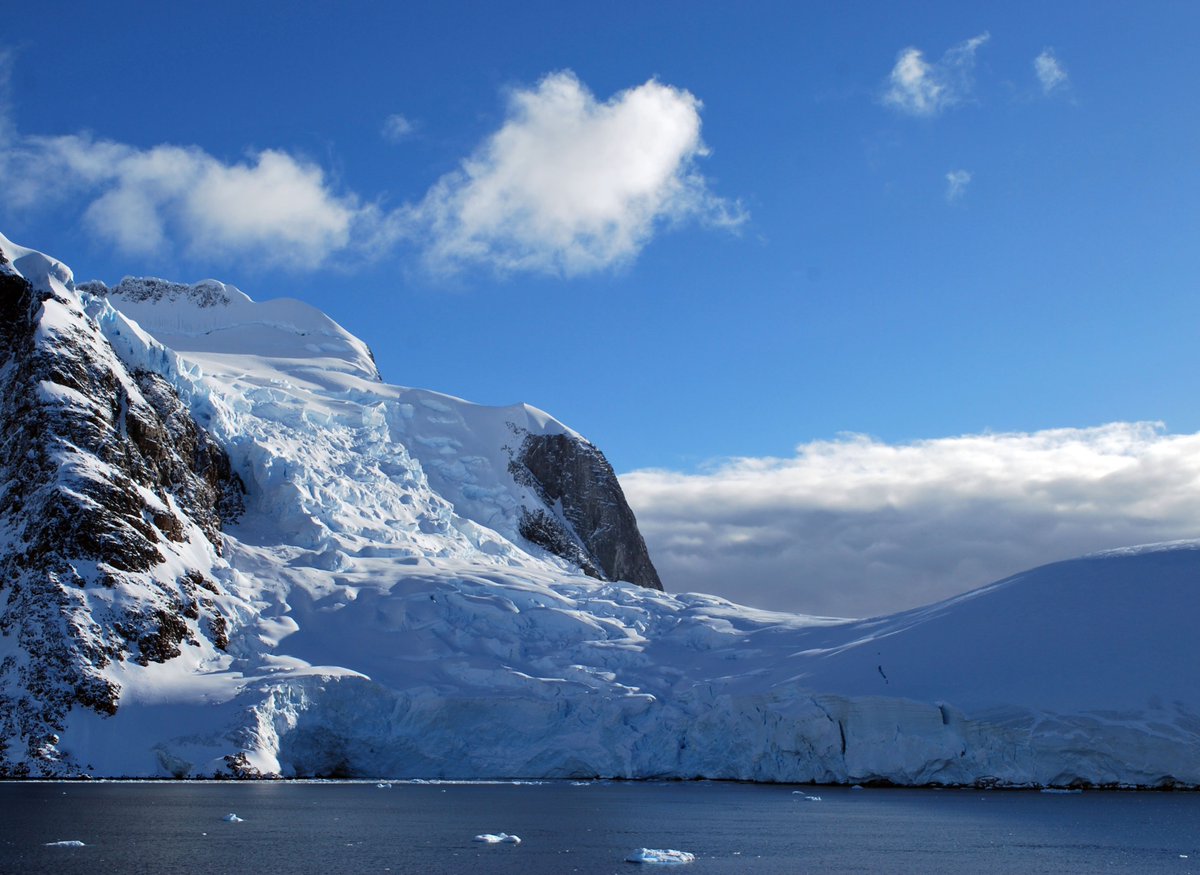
(428, 828)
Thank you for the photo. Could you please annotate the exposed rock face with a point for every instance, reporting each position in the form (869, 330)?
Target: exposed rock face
(179, 456)
(106, 485)
(207, 293)
(587, 520)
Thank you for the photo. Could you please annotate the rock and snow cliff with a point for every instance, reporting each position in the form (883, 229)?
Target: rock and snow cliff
(230, 548)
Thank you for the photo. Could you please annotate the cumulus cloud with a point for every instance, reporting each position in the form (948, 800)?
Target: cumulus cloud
(397, 127)
(920, 88)
(956, 184)
(855, 527)
(569, 184)
(272, 206)
(1050, 72)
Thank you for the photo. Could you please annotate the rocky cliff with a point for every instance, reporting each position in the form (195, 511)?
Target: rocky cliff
(586, 518)
(108, 489)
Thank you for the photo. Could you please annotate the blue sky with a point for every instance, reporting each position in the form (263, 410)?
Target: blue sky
(989, 250)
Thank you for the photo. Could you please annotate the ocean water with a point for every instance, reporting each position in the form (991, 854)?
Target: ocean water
(341, 827)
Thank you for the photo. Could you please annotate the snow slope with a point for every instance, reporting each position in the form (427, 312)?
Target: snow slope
(388, 620)
(338, 460)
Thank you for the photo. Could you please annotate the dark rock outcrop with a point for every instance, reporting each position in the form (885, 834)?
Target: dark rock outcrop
(586, 519)
(206, 293)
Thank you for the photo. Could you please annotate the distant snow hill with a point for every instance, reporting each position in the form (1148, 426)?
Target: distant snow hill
(228, 548)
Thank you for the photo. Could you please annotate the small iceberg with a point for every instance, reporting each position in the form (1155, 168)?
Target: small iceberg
(662, 857)
(232, 818)
(498, 838)
(806, 797)
(384, 785)
(70, 843)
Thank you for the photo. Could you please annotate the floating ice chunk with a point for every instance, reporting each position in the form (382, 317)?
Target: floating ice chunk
(807, 798)
(70, 843)
(1061, 791)
(857, 787)
(232, 818)
(498, 838)
(384, 785)
(664, 857)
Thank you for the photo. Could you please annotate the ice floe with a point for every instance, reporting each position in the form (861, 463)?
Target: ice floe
(667, 857)
(498, 838)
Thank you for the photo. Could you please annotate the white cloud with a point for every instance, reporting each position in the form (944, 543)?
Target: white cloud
(858, 527)
(956, 184)
(397, 127)
(272, 206)
(917, 87)
(1050, 72)
(569, 185)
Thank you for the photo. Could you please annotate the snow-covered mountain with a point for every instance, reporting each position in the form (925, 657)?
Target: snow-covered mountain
(229, 548)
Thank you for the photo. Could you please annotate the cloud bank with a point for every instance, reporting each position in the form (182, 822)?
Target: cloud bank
(856, 527)
(919, 88)
(566, 185)
(570, 185)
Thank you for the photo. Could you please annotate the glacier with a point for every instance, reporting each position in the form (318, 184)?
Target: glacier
(375, 607)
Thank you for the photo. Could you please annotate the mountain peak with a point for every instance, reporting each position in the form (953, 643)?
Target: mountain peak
(43, 272)
(212, 318)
